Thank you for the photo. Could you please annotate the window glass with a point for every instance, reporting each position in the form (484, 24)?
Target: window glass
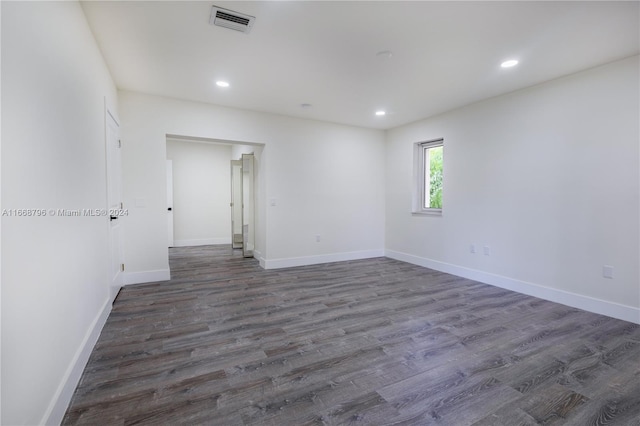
(429, 177)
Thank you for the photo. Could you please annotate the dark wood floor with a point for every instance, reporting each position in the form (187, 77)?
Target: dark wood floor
(369, 342)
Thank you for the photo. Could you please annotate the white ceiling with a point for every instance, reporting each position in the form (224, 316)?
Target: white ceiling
(445, 54)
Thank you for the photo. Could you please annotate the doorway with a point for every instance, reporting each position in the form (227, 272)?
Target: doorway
(201, 189)
(236, 204)
(243, 204)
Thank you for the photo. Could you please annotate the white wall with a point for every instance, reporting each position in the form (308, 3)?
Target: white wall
(326, 179)
(55, 291)
(201, 192)
(237, 151)
(547, 177)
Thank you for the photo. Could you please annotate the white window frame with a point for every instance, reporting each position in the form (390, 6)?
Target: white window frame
(419, 170)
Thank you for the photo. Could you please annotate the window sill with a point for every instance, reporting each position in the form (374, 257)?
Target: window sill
(432, 212)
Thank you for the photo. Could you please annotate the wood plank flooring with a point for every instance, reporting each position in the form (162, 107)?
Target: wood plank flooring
(368, 342)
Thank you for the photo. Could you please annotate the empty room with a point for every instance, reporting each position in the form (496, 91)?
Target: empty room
(320, 212)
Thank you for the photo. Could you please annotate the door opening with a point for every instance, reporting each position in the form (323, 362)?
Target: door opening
(243, 205)
(236, 204)
(248, 206)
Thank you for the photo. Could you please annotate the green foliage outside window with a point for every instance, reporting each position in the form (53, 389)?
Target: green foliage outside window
(435, 177)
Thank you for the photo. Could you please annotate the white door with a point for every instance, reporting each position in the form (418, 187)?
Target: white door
(248, 205)
(170, 202)
(114, 201)
(236, 204)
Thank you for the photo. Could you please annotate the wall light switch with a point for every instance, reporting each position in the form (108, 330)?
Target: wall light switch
(317, 238)
(272, 202)
(607, 271)
(486, 250)
(472, 248)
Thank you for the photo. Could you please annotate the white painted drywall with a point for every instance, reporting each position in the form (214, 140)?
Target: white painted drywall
(326, 179)
(547, 177)
(55, 289)
(237, 151)
(201, 192)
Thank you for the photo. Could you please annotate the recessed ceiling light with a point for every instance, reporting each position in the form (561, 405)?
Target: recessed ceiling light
(221, 83)
(305, 106)
(384, 54)
(510, 63)
(380, 113)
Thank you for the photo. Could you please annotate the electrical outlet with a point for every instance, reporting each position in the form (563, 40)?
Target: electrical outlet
(607, 271)
(472, 248)
(486, 250)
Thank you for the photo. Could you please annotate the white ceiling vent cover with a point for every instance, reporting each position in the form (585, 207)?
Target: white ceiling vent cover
(230, 19)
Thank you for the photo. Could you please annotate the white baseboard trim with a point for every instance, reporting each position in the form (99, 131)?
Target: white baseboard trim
(145, 276)
(591, 304)
(62, 398)
(323, 258)
(258, 255)
(202, 242)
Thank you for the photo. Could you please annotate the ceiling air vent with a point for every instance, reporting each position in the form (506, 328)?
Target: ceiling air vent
(230, 19)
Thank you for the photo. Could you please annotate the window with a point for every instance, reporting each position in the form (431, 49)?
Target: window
(428, 157)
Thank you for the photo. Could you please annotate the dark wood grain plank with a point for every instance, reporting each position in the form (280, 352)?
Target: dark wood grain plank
(367, 342)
